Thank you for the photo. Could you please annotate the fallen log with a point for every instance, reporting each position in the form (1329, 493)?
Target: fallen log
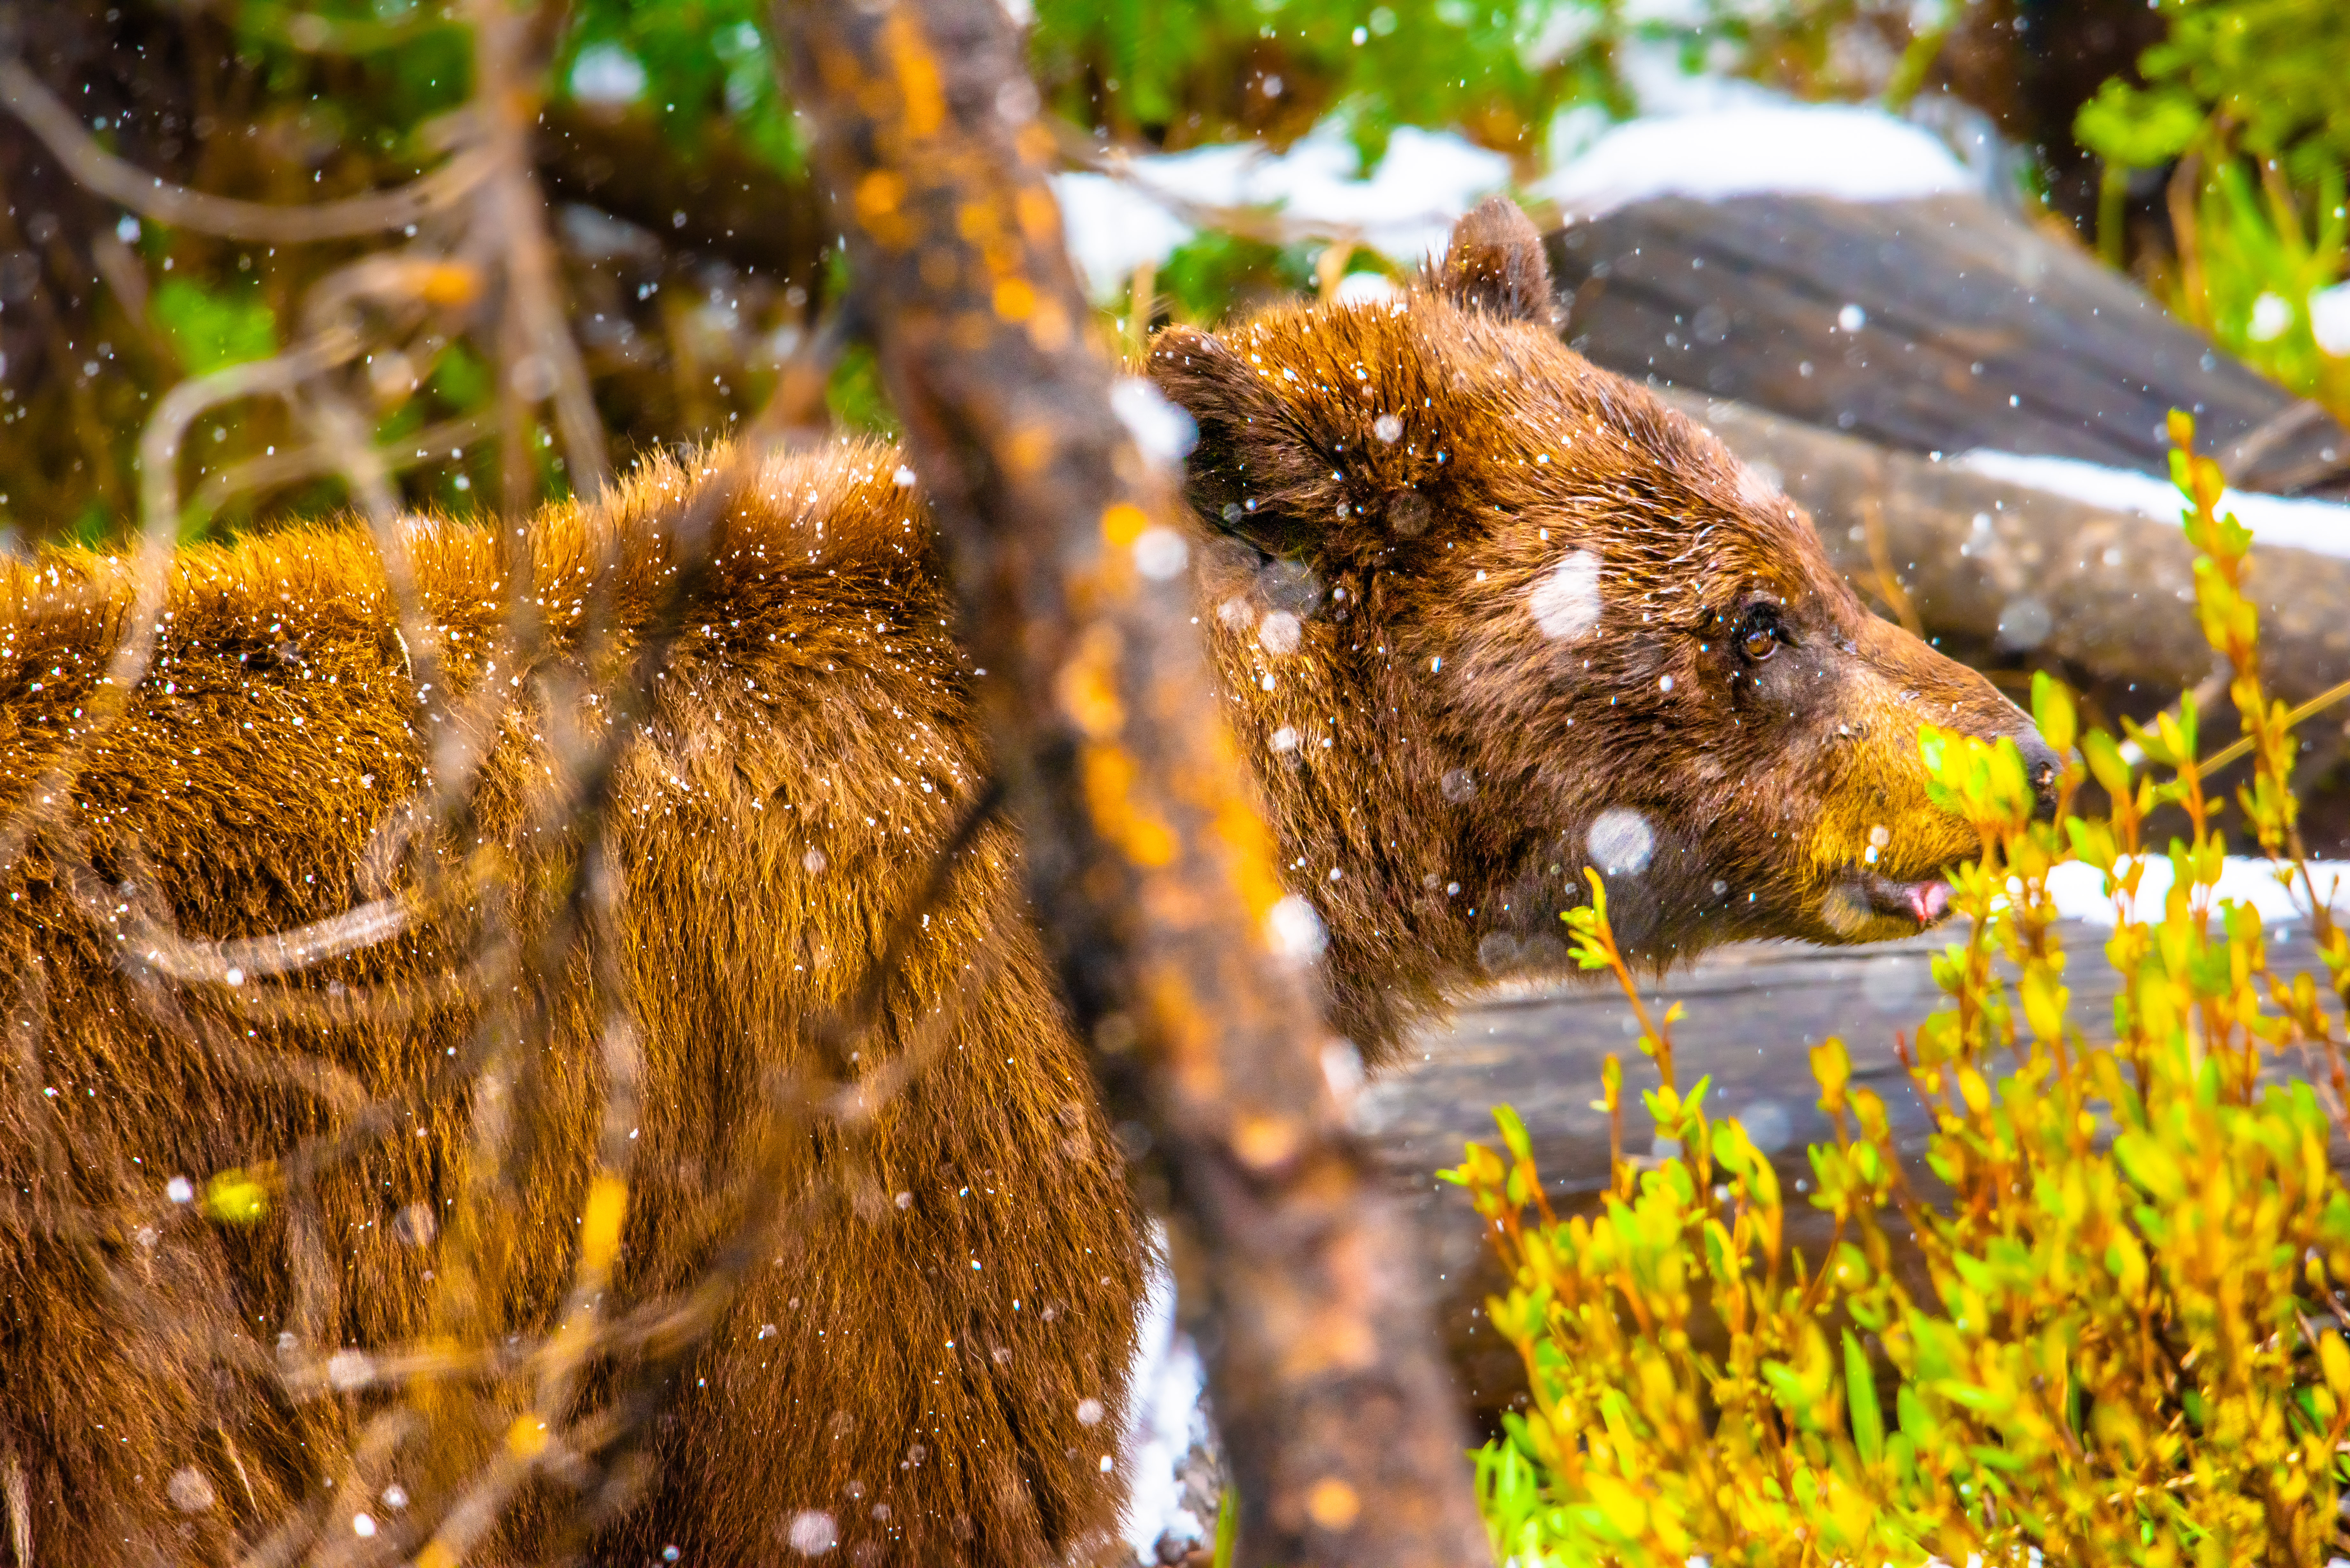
(2107, 591)
(1932, 325)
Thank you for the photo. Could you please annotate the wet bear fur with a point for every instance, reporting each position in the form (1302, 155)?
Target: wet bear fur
(1482, 614)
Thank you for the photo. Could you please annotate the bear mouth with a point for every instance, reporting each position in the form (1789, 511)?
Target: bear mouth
(1865, 905)
(1925, 903)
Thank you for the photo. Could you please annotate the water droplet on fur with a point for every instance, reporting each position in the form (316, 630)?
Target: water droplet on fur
(811, 1532)
(1621, 841)
(190, 1490)
(180, 1189)
(904, 478)
(1460, 786)
(363, 1526)
(349, 1369)
(1852, 319)
(1564, 601)
(1409, 514)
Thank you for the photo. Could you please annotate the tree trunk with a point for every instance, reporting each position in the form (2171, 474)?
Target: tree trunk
(1151, 873)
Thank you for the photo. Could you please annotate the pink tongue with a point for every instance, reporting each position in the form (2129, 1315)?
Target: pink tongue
(1929, 901)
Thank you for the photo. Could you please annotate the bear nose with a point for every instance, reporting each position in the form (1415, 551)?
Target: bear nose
(2042, 766)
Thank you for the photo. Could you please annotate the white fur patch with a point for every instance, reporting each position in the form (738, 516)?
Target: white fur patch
(1564, 601)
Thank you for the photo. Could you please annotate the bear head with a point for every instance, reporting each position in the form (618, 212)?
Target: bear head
(1491, 615)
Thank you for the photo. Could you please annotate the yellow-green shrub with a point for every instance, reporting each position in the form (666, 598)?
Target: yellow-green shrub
(2131, 1352)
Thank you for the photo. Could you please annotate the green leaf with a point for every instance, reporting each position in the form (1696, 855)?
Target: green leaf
(2136, 127)
(1860, 1393)
(2053, 712)
(211, 330)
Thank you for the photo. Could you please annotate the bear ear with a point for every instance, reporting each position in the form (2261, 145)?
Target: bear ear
(1253, 472)
(1495, 262)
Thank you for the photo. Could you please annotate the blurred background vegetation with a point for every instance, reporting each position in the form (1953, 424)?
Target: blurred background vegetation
(2201, 146)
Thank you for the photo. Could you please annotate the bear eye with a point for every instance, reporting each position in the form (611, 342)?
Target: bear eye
(1758, 634)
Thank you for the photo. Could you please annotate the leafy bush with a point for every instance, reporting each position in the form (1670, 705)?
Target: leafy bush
(2248, 93)
(1207, 69)
(2132, 1351)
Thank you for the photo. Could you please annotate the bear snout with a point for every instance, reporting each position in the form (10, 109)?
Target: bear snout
(2044, 767)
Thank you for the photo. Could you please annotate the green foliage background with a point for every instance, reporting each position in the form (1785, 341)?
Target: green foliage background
(346, 95)
(2247, 104)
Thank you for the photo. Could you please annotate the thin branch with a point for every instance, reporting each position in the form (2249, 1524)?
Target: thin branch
(151, 196)
(318, 460)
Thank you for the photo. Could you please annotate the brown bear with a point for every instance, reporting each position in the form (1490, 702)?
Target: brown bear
(1483, 615)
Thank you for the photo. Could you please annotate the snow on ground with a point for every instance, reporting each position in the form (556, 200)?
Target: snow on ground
(1113, 229)
(2080, 890)
(1697, 134)
(1716, 140)
(2322, 527)
(1844, 150)
(1167, 1422)
(1402, 209)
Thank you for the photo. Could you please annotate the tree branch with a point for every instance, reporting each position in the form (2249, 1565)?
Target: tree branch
(153, 197)
(1151, 871)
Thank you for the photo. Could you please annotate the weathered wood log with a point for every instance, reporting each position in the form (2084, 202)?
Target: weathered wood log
(1754, 1010)
(1939, 325)
(2112, 592)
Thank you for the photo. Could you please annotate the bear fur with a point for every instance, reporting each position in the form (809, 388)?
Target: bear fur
(1484, 616)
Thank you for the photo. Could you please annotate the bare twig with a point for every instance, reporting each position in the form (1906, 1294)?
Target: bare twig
(316, 461)
(153, 197)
